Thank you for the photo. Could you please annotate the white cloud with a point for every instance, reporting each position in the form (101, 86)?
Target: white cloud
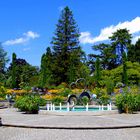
(133, 26)
(22, 40)
(135, 39)
(31, 34)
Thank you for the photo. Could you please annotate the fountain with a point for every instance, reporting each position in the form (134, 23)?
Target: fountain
(74, 99)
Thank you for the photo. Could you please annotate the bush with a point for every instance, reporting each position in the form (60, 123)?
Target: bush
(2, 92)
(57, 100)
(29, 104)
(138, 102)
(41, 101)
(109, 85)
(65, 92)
(84, 100)
(62, 85)
(128, 102)
(104, 99)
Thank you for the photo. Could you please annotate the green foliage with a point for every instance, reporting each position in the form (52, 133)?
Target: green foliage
(61, 86)
(104, 99)
(27, 72)
(119, 85)
(134, 51)
(9, 82)
(2, 92)
(19, 72)
(66, 50)
(13, 71)
(111, 54)
(109, 85)
(45, 78)
(124, 74)
(128, 102)
(29, 103)
(40, 101)
(99, 91)
(121, 40)
(33, 81)
(65, 92)
(138, 102)
(84, 72)
(3, 61)
(106, 55)
(137, 51)
(133, 73)
(57, 100)
(97, 72)
(84, 100)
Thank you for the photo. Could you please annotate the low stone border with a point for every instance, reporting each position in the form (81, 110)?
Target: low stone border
(72, 127)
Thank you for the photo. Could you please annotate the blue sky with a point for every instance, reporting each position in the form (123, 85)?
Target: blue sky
(27, 26)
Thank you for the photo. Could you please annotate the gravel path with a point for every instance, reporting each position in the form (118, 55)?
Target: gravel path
(8, 133)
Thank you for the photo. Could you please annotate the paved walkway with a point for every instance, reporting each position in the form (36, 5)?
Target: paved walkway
(11, 117)
(10, 133)
(14, 118)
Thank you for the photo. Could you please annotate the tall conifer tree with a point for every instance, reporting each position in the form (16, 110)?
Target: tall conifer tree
(121, 40)
(46, 68)
(66, 49)
(14, 84)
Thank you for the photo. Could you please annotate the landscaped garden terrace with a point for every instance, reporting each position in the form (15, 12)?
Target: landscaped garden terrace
(111, 74)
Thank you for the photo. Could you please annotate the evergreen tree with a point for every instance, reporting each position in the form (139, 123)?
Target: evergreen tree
(106, 55)
(131, 53)
(137, 50)
(124, 74)
(97, 72)
(66, 49)
(134, 52)
(121, 40)
(42, 80)
(46, 68)
(3, 61)
(14, 84)
(20, 72)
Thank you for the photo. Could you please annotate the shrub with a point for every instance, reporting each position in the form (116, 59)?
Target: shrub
(138, 102)
(104, 99)
(57, 100)
(65, 92)
(29, 104)
(41, 101)
(62, 85)
(109, 85)
(128, 102)
(84, 100)
(99, 91)
(2, 92)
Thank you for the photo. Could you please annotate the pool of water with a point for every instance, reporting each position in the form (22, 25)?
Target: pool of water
(77, 109)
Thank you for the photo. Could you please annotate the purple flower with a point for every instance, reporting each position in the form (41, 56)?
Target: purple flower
(121, 90)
